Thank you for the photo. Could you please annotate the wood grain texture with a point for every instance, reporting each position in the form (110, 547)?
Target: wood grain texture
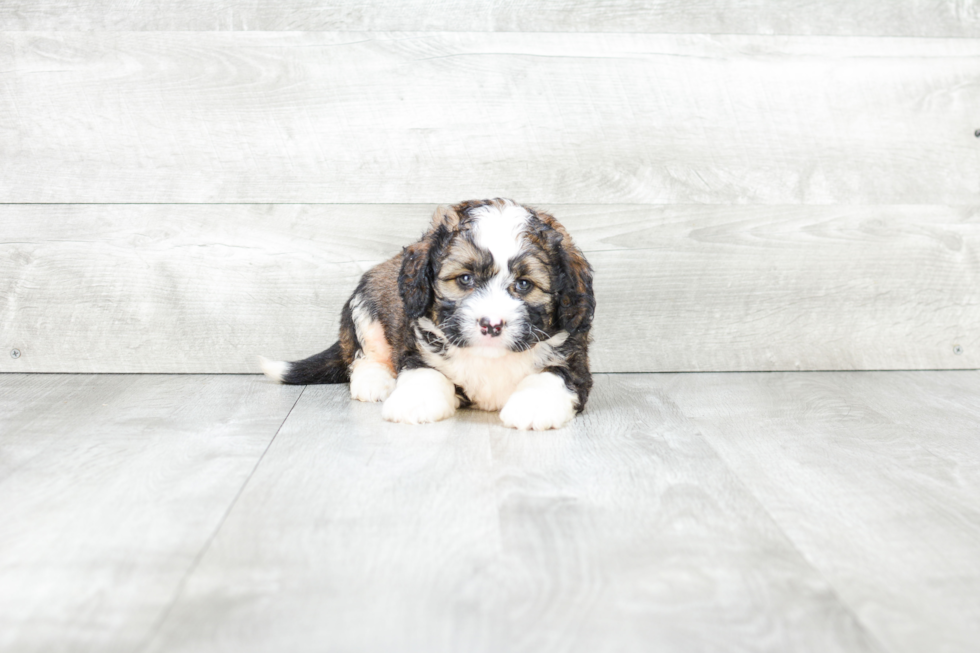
(205, 288)
(354, 532)
(110, 486)
(875, 477)
(624, 532)
(870, 17)
(422, 117)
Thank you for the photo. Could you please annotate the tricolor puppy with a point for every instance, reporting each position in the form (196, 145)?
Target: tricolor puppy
(490, 309)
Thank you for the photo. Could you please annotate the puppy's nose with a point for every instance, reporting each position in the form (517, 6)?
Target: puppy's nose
(492, 329)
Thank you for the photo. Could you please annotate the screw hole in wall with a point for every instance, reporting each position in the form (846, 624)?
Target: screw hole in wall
(15, 353)
(957, 350)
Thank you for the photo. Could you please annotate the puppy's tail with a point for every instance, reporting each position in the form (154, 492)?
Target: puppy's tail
(326, 367)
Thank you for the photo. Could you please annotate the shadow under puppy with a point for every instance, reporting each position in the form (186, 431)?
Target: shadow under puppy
(490, 309)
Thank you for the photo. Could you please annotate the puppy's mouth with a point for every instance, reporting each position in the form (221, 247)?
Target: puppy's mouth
(490, 341)
(490, 347)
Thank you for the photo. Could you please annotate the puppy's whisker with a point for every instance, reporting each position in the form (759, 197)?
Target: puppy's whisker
(538, 338)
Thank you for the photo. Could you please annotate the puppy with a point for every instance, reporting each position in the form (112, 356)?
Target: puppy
(490, 309)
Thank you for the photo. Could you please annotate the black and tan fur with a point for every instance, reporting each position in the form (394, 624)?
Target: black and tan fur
(416, 296)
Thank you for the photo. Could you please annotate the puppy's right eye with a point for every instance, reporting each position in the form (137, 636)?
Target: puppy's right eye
(465, 280)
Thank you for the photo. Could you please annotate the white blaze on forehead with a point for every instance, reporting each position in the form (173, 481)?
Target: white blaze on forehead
(499, 231)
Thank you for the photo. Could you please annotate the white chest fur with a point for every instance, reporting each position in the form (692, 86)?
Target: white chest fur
(490, 376)
(487, 381)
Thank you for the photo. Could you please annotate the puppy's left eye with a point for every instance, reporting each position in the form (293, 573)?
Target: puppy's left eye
(523, 286)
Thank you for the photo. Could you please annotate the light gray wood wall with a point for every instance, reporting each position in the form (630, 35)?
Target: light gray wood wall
(204, 288)
(840, 17)
(560, 118)
(179, 201)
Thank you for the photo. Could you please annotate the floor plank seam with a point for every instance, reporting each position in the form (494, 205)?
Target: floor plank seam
(872, 637)
(155, 629)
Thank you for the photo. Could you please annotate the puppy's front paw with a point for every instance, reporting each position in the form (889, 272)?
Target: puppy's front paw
(421, 395)
(540, 402)
(370, 381)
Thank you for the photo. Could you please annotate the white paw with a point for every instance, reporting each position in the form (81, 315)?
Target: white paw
(370, 381)
(540, 402)
(422, 395)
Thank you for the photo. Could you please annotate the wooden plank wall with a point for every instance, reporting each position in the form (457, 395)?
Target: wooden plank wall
(760, 186)
(941, 18)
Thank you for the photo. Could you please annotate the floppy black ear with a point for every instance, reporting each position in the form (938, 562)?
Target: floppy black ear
(415, 278)
(417, 273)
(576, 301)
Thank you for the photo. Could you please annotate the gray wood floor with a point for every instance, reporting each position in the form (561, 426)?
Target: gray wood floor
(681, 512)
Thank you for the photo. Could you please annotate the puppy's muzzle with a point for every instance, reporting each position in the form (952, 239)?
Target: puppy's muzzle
(491, 329)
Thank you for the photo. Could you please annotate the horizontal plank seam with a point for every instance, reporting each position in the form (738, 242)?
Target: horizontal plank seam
(756, 34)
(165, 614)
(793, 371)
(530, 202)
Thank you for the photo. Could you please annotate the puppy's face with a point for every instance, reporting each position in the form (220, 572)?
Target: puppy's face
(493, 286)
(498, 277)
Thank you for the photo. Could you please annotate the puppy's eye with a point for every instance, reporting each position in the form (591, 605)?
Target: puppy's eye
(523, 286)
(465, 280)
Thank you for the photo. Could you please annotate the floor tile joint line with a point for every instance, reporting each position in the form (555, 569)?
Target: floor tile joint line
(872, 637)
(152, 632)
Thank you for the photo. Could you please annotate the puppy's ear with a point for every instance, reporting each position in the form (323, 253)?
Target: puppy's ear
(447, 216)
(415, 279)
(576, 301)
(417, 273)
